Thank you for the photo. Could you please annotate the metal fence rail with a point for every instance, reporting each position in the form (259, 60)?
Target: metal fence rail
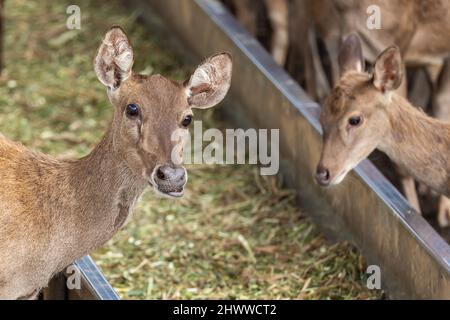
(93, 284)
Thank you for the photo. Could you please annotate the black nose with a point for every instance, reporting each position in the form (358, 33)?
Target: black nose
(170, 174)
(323, 176)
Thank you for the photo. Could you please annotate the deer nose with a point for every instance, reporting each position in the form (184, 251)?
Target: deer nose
(323, 177)
(169, 180)
(170, 174)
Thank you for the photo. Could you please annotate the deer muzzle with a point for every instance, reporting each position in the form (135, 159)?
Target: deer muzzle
(323, 176)
(169, 180)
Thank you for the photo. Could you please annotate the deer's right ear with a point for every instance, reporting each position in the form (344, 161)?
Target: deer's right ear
(351, 55)
(210, 82)
(114, 59)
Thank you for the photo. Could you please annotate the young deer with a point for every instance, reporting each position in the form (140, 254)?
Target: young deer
(407, 23)
(53, 211)
(363, 113)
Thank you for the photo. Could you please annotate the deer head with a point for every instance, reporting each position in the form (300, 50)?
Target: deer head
(354, 117)
(148, 109)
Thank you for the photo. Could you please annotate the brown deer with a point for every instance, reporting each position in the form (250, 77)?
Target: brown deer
(363, 112)
(407, 23)
(55, 211)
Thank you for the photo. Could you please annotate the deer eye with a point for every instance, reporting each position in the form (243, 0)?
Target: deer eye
(186, 121)
(355, 121)
(132, 110)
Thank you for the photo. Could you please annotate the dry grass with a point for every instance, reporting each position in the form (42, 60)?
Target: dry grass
(235, 235)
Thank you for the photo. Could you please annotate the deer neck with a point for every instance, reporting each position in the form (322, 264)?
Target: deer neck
(418, 143)
(103, 193)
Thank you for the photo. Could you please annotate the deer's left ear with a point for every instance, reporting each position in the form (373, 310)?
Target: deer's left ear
(388, 70)
(210, 82)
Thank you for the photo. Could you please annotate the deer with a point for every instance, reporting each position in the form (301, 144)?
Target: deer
(54, 211)
(364, 112)
(408, 24)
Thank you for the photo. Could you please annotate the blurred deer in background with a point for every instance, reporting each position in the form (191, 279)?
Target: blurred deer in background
(253, 15)
(406, 23)
(364, 112)
(53, 212)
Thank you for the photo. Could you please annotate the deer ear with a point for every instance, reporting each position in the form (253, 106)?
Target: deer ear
(114, 58)
(351, 55)
(388, 70)
(210, 82)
